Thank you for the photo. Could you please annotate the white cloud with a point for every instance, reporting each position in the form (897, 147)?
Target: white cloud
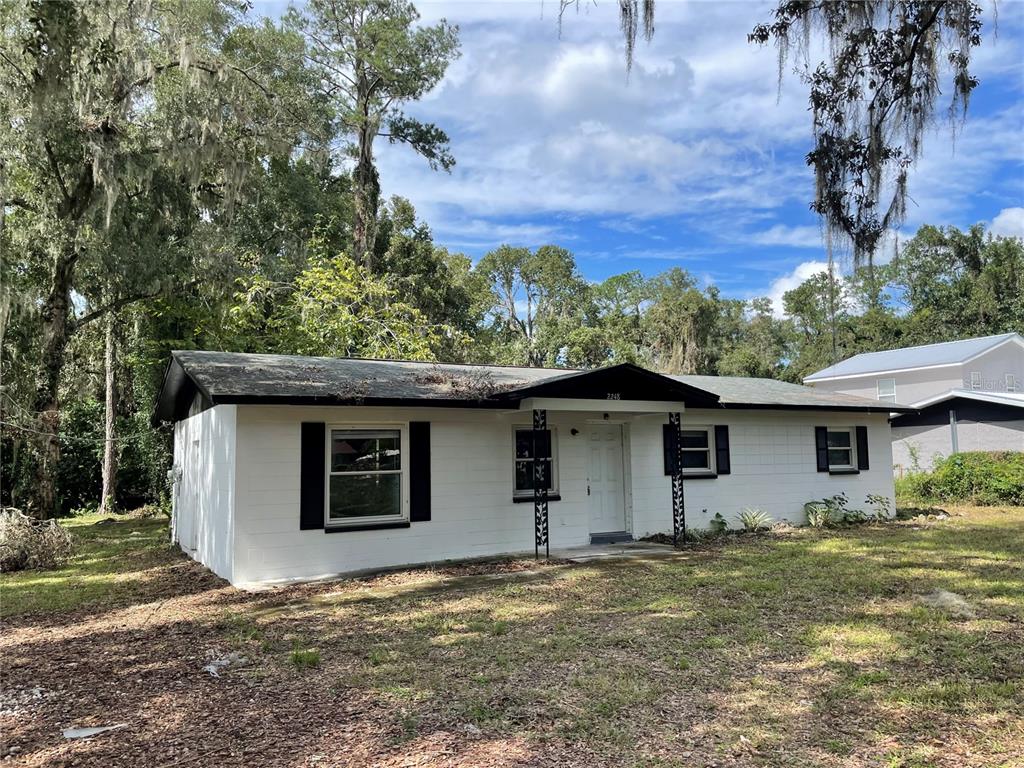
(545, 122)
(1009, 222)
(789, 281)
(795, 237)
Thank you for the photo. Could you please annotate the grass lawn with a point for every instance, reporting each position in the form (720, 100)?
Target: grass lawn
(805, 648)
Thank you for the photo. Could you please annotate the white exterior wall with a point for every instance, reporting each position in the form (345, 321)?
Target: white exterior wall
(773, 462)
(911, 386)
(204, 492)
(472, 512)
(934, 441)
(472, 461)
(993, 367)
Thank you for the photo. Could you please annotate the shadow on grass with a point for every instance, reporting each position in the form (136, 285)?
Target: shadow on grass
(808, 649)
(115, 565)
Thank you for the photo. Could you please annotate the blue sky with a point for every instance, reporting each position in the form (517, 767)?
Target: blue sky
(696, 160)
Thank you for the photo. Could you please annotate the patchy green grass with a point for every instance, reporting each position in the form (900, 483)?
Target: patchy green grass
(305, 658)
(809, 648)
(114, 561)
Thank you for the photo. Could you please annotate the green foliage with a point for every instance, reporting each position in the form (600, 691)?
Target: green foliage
(333, 308)
(882, 507)
(753, 519)
(960, 284)
(305, 658)
(835, 510)
(557, 303)
(827, 512)
(980, 477)
(718, 524)
(372, 57)
(819, 514)
(82, 452)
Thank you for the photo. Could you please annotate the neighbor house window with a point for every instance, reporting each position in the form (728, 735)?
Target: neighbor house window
(975, 380)
(697, 450)
(887, 390)
(840, 448)
(525, 463)
(1011, 383)
(365, 479)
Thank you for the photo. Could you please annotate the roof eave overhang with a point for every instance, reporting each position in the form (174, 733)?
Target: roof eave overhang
(817, 407)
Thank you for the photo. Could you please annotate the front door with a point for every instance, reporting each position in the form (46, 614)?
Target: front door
(605, 485)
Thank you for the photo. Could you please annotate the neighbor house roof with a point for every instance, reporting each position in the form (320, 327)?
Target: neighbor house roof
(242, 378)
(1012, 399)
(909, 358)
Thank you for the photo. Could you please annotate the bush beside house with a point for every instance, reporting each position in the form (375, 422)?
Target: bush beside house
(979, 477)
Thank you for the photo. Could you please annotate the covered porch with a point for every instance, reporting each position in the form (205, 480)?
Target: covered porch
(606, 402)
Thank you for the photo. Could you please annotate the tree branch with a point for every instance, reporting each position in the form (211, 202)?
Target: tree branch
(55, 169)
(124, 301)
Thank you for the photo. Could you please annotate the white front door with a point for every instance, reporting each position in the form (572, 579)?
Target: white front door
(606, 488)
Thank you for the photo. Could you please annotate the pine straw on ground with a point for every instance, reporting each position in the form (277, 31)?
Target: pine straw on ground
(807, 648)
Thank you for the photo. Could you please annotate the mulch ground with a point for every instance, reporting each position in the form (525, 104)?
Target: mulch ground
(735, 655)
(142, 666)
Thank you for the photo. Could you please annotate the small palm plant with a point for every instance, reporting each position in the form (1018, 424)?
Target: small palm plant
(818, 514)
(754, 519)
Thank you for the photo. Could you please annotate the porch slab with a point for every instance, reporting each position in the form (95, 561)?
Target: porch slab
(633, 550)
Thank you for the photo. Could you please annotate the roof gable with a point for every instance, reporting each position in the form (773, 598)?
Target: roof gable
(914, 358)
(618, 382)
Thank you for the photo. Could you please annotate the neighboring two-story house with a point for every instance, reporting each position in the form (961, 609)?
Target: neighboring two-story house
(970, 395)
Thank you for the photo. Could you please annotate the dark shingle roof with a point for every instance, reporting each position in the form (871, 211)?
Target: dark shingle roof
(745, 391)
(230, 377)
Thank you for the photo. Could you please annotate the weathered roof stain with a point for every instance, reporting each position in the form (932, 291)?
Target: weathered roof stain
(244, 377)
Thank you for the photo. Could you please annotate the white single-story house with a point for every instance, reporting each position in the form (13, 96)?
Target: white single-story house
(292, 468)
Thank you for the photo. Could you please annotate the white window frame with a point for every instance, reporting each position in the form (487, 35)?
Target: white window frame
(888, 397)
(528, 493)
(976, 382)
(712, 467)
(852, 431)
(403, 471)
(1011, 382)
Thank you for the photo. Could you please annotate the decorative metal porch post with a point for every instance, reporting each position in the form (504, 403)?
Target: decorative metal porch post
(678, 503)
(541, 451)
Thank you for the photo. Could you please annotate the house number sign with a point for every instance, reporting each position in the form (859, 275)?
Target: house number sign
(614, 396)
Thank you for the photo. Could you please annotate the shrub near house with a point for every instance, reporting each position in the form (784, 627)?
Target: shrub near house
(981, 477)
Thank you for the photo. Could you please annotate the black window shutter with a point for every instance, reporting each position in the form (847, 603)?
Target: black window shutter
(419, 471)
(821, 447)
(668, 441)
(542, 444)
(862, 448)
(722, 463)
(313, 447)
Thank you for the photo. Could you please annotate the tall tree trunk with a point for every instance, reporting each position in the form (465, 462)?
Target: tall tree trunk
(367, 182)
(55, 329)
(108, 498)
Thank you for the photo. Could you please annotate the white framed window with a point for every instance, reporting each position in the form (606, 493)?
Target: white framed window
(841, 448)
(887, 390)
(975, 380)
(365, 475)
(698, 448)
(524, 468)
(1011, 383)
